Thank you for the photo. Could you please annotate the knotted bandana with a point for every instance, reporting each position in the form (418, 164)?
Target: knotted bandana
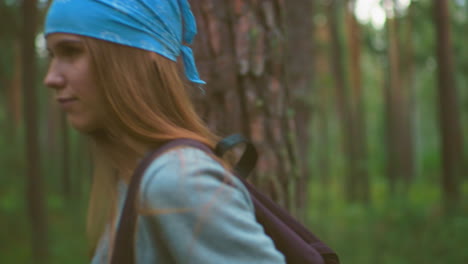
(161, 26)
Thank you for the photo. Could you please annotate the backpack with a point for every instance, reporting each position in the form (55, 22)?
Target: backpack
(292, 239)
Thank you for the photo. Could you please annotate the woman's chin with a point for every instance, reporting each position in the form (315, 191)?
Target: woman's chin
(82, 125)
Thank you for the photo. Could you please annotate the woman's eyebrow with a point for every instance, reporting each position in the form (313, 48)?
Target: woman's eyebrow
(65, 42)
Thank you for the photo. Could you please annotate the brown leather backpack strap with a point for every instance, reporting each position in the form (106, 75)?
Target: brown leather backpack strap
(124, 252)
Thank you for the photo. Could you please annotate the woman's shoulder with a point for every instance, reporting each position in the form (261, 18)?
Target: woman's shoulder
(187, 171)
(202, 211)
(182, 157)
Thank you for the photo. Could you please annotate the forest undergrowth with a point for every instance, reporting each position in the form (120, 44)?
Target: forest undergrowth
(391, 229)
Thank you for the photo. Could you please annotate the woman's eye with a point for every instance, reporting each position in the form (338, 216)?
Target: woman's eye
(50, 55)
(71, 51)
(68, 51)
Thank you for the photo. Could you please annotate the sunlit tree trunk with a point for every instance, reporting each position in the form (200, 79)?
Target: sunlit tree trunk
(241, 54)
(34, 190)
(449, 116)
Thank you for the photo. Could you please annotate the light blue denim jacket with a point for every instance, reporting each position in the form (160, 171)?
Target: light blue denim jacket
(201, 214)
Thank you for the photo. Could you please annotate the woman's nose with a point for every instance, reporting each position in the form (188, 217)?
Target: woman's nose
(54, 79)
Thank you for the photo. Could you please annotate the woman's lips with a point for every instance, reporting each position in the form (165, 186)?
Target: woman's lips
(66, 103)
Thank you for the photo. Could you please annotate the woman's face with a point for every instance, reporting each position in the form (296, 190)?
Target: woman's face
(70, 76)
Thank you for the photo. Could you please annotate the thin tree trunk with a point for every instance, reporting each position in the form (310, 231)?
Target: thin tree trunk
(357, 104)
(408, 85)
(35, 194)
(449, 116)
(400, 159)
(14, 93)
(320, 158)
(10, 72)
(322, 146)
(342, 103)
(393, 165)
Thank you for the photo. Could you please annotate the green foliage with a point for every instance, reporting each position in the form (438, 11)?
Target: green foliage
(410, 225)
(67, 241)
(66, 221)
(394, 230)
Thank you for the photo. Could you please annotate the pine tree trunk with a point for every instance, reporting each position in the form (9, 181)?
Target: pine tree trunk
(322, 106)
(399, 139)
(344, 109)
(408, 86)
(357, 105)
(34, 191)
(10, 70)
(449, 116)
(300, 56)
(240, 53)
(394, 102)
(14, 93)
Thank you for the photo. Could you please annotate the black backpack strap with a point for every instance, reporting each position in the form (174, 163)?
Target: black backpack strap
(248, 159)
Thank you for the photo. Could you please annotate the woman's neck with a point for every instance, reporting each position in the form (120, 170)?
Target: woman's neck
(133, 151)
(123, 153)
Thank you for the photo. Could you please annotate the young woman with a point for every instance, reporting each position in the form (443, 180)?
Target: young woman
(114, 72)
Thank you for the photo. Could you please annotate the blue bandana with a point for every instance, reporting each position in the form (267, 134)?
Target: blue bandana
(161, 26)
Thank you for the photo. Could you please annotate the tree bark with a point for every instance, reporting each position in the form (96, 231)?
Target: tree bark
(300, 56)
(357, 105)
(241, 54)
(10, 69)
(344, 109)
(14, 93)
(409, 165)
(35, 194)
(449, 116)
(322, 105)
(399, 139)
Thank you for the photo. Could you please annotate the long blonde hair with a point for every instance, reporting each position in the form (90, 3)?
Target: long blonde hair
(146, 100)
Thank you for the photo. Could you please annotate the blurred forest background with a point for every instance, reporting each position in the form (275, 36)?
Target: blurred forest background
(359, 109)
